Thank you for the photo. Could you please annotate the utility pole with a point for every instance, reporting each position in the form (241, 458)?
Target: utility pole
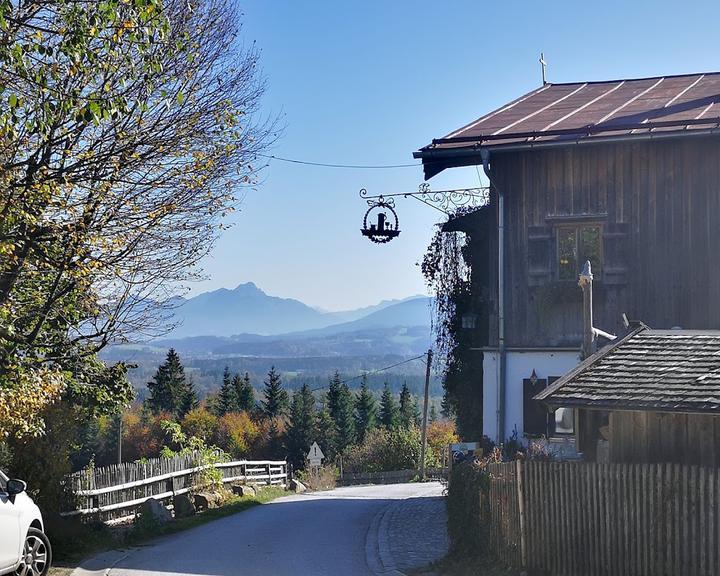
(423, 448)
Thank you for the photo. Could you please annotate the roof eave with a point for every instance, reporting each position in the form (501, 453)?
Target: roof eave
(436, 159)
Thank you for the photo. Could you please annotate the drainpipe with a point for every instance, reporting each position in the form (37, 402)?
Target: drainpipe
(485, 155)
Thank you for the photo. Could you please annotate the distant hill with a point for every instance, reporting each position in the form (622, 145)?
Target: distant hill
(249, 310)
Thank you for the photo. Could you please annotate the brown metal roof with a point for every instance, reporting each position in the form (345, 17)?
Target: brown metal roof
(566, 114)
(663, 370)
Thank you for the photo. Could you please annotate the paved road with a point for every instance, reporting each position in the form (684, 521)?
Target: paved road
(354, 531)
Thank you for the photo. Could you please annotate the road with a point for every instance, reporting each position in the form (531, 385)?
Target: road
(353, 531)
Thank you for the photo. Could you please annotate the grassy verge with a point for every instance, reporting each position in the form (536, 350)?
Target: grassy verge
(72, 541)
(455, 565)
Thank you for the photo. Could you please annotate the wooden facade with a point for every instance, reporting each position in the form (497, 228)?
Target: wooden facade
(656, 437)
(654, 203)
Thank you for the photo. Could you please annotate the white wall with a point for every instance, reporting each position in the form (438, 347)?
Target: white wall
(518, 366)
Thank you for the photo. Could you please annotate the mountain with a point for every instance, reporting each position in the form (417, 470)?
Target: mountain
(249, 310)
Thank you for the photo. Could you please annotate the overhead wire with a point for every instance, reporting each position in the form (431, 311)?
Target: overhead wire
(371, 372)
(332, 165)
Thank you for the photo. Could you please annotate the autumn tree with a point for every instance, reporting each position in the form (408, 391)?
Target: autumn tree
(276, 397)
(126, 132)
(389, 416)
(365, 411)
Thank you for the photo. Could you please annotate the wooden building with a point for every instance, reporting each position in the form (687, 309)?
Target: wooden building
(652, 397)
(623, 173)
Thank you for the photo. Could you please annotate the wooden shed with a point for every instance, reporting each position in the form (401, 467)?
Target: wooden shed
(653, 396)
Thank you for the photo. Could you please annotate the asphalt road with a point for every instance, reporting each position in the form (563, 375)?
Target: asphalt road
(354, 531)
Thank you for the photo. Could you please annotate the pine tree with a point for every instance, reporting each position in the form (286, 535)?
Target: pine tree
(388, 409)
(189, 400)
(275, 446)
(244, 393)
(227, 398)
(301, 432)
(407, 409)
(325, 434)
(169, 389)
(433, 414)
(341, 407)
(365, 411)
(276, 397)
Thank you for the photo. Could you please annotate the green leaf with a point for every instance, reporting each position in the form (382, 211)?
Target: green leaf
(13, 101)
(180, 98)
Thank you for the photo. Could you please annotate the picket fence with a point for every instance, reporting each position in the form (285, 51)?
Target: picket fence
(573, 518)
(115, 491)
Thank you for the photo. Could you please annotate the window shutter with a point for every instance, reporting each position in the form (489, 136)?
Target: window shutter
(535, 416)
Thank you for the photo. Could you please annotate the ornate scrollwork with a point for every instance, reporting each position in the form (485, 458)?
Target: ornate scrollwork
(448, 201)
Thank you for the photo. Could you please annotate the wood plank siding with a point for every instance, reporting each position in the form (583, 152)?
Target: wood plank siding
(656, 203)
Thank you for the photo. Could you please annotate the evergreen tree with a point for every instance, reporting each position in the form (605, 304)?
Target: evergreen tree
(190, 399)
(169, 389)
(244, 393)
(416, 414)
(276, 397)
(301, 432)
(433, 414)
(341, 407)
(407, 408)
(325, 434)
(227, 398)
(365, 411)
(275, 446)
(388, 409)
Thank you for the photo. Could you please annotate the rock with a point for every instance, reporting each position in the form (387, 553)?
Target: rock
(296, 486)
(183, 506)
(243, 490)
(154, 511)
(206, 500)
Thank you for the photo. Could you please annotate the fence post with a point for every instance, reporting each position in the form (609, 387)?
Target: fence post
(521, 509)
(269, 480)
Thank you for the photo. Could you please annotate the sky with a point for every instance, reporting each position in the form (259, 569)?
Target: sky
(370, 82)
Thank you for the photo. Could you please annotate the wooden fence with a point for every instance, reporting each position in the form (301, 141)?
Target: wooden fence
(390, 477)
(114, 491)
(572, 518)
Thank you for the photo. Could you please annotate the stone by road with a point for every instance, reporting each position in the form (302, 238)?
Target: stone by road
(353, 531)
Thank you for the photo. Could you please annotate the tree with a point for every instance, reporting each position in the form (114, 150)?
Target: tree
(365, 411)
(341, 407)
(325, 433)
(301, 430)
(126, 128)
(170, 391)
(244, 393)
(433, 414)
(227, 397)
(408, 409)
(389, 416)
(276, 397)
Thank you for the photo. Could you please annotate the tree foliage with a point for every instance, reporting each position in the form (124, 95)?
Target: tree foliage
(276, 397)
(244, 393)
(301, 428)
(126, 133)
(389, 413)
(365, 412)
(227, 397)
(170, 390)
(341, 408)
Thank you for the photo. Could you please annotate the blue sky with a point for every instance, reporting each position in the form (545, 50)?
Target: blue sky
(370, 82)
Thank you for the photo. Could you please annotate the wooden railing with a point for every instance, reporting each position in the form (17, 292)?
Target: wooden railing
(391, 477)
(568, 518)
(113, 491)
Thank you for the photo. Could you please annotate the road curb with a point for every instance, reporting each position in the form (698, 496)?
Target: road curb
(101, 564)
(377, 543)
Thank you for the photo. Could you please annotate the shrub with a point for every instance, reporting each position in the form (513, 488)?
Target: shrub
(237, 434)
(201, 424)
(321, 478)
(385, 450)
(441, 433)
(468, 480)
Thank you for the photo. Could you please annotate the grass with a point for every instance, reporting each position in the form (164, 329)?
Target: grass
(79, 541)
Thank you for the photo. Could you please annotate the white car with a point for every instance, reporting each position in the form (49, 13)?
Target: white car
(24, 548)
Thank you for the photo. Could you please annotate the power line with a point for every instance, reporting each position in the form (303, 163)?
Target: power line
(372, 372)
(348, 166)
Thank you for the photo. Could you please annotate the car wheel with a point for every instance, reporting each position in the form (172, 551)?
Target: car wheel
(36, 555)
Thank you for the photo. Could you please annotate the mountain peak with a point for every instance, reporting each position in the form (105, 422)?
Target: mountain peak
(248, 287)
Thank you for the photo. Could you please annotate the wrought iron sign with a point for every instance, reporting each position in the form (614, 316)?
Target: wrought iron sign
(382, 208)
(387, 225)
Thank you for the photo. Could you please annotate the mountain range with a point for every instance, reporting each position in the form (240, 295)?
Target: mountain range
(249, 310)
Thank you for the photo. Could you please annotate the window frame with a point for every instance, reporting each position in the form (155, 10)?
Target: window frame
(578, 227)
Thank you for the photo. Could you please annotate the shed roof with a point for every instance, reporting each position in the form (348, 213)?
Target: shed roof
(566, 114)
(659, 370)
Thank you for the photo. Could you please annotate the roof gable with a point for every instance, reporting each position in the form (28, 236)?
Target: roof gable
(663, 370)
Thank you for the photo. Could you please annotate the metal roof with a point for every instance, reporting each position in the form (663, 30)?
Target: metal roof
(661, 370)
(566, 114)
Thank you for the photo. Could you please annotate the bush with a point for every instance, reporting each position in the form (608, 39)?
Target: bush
(466, 483)
(201, 424)
(441, 433)
(237, 434)
(322, 478)
(386, 450)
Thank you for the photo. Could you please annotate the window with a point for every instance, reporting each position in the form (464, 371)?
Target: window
(564, 421)
(576, 244)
